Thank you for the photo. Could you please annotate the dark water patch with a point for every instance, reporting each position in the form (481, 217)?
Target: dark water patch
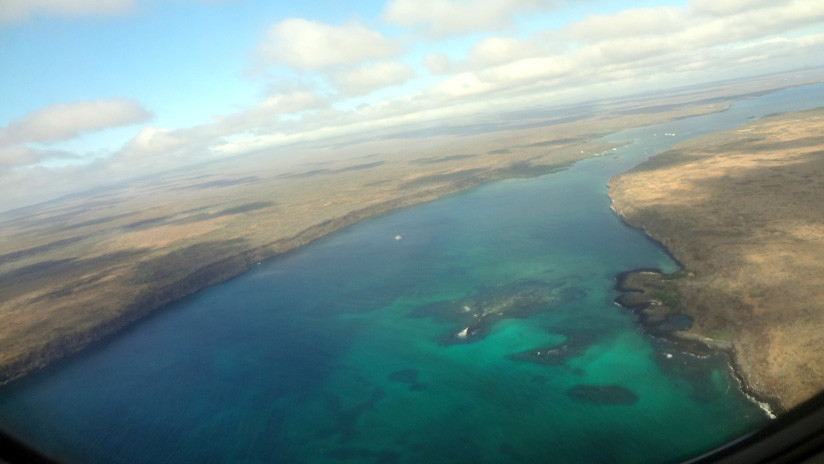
(345, 426)
(404, 376)
(28, 252)
(542, 379)
(363, 454)
(441, 159)
(510, 452)
(409, 376)
(608, 395)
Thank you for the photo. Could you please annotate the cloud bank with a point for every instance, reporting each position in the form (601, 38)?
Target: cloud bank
(309, 45)
(441, 18)
(417, 59)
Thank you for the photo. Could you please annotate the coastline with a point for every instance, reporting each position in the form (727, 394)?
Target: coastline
(235, 265)
(736, 210)
(219, 258)
(681, 341)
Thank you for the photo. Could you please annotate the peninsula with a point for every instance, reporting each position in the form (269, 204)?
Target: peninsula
(741, 210)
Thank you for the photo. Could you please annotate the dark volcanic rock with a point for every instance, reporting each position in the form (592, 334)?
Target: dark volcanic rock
(476, 315)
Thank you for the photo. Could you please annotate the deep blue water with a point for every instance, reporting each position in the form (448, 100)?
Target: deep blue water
(345, 351)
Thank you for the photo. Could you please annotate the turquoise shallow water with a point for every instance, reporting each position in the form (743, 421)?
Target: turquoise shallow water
(345, 351)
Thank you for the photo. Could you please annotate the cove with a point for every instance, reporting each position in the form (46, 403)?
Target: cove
(476, 328)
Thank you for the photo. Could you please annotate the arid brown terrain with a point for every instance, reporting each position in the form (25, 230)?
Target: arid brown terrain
(79, 268)
(742, 211)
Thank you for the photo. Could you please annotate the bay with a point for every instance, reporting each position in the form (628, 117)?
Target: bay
(476, 328)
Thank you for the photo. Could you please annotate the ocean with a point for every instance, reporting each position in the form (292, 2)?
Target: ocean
(478, 328)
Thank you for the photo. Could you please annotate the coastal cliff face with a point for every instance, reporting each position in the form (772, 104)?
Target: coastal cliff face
(741, 210)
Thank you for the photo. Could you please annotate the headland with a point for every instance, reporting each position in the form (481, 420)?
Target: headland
(741, 211)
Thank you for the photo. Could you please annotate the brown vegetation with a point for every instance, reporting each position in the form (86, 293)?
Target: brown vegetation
(742, 211)
(80, 268)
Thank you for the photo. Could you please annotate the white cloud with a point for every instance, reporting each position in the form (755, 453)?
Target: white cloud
(662, 45)
(309, 45)
(755, 24)
(21, 155)
(267, 111)
(690, 28)
(365, 79)
(152, 141)
(499, 50)
(656, 21)
(439, 18)
(18, 10)
(636, 44)
(203, 139)
(437, 63)
(727, 7)
(64, 121)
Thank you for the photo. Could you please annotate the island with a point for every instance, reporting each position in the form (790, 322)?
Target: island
(741, 210)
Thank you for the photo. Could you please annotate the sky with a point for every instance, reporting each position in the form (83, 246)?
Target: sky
(96, 91)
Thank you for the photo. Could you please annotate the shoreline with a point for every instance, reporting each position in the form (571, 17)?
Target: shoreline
(235, 265)
(695, 346)
(680, 340)
(738, 211)
(227, 263)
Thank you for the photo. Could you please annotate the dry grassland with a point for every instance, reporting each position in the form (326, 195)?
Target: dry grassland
(742, 211)
(80, 268)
